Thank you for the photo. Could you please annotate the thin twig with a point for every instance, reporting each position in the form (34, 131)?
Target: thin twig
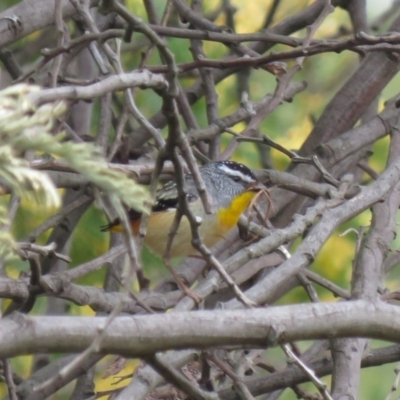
(12, 390)
(244, 392)
(310, 373)
(58, 18)
(179, 380)
(327, 284)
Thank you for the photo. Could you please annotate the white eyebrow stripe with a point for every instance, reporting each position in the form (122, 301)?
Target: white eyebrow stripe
(233, 172)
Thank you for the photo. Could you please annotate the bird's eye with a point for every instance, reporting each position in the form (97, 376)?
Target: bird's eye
(236, 178)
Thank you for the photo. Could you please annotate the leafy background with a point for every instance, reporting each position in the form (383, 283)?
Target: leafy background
(289, 125)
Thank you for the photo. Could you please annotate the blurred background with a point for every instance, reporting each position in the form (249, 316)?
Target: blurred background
(288, 125)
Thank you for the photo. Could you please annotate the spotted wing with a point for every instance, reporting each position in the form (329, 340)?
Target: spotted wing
(166, 199)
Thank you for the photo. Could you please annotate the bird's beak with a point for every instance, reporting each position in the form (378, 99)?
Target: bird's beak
(257, 187)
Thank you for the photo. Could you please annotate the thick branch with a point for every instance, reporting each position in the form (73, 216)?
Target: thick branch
(144, 335)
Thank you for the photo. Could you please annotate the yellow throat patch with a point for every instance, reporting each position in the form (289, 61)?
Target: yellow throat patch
(228, 217)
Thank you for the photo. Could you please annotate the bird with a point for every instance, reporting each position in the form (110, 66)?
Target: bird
(231, 185)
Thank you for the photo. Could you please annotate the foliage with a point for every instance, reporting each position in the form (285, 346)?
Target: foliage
(25, 128)
(286, 84)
